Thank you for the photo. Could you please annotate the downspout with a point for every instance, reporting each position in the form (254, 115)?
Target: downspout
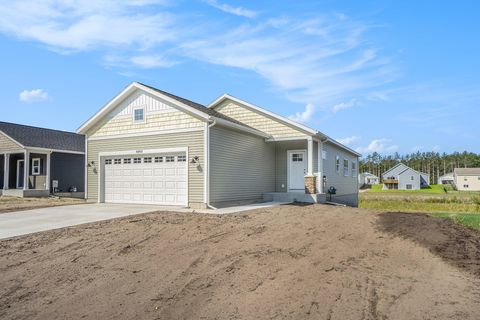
(208, 164)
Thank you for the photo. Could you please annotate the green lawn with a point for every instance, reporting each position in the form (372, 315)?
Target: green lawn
(471, 220)
(435, 188)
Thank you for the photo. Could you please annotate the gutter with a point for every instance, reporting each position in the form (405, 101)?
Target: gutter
(207, 142)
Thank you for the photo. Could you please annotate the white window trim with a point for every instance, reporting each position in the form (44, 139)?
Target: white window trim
(346, 173)
(354, 171)
(337, 164)
(133, 115)
(34, 173)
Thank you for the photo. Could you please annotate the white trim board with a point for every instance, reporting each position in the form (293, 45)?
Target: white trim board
(147, 133)
(288, 166)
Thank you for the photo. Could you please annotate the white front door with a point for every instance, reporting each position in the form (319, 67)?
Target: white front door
(297, 169)
(148, 179)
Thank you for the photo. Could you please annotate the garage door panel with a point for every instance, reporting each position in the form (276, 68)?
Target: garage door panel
(155, 179)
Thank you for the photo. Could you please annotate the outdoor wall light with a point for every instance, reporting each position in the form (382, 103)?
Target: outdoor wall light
(196, 160)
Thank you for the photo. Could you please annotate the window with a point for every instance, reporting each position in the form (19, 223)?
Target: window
(181, 158)
(409, 187)
(354, 170)
(158, 159)
(117, 161)
(345, 167)
(297, 157)
(465, 179)
(169, 159)
(127, 161)
(337, 164)
(108, 161)
(147, 160)
(465, 185)
(324, 154)
(35, 166)
(137, 160)
(139, 115)
(412, 178)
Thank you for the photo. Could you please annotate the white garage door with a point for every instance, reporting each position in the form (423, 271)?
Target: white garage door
(148, 179)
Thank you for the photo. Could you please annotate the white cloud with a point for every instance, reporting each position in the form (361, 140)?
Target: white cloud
(436, 148)
(304, 116)
(378, 145)
(35, 95)
(344, 105)
(238, 11)
(348, 140)
(140, 61)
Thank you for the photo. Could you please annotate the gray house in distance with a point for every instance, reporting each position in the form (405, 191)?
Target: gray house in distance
(35, 162)
(402, 177)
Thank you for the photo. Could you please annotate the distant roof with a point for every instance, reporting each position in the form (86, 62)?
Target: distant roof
(36, 137)
(467, 171)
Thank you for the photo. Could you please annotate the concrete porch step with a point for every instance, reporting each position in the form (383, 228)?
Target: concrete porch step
(294, 197)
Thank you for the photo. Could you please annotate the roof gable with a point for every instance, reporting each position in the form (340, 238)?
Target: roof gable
(35, 137)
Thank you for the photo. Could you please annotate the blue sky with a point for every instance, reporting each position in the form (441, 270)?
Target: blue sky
(381, 76)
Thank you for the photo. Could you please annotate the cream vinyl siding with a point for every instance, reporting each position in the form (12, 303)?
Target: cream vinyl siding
(473, 182)
(7, 144)
(193, 140)
(241, 166)
(257, 120)
(345, 185)
(159, 115)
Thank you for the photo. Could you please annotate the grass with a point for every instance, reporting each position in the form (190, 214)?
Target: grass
(471, 220)
(435, 188)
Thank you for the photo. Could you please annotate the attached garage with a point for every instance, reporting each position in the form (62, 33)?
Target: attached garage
(153, 178)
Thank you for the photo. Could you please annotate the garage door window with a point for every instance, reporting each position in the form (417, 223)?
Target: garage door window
(181, 158)
(137, 160)
(158, 159)
(108, 161)
(117, 161)
(127, 161)
(147, 160)
(169, 159)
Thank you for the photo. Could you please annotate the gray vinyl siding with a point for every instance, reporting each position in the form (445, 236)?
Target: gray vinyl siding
(345, 185)
(406, 178)
(194, 141)
(241, 166)
(69, 170)
(281, 161)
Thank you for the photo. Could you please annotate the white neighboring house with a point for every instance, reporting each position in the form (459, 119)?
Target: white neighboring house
(402, 177)
(367, 179)
(467, 179)
(447, 178)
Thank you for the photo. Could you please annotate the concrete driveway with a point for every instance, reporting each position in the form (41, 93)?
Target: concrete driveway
(23, 222)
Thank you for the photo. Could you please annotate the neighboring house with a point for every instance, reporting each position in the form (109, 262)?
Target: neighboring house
(467, 179)
(367, 179)
(402, 177)
(446, 179)
(55, 161)
(149, 146)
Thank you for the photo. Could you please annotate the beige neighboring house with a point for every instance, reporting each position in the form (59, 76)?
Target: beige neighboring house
(467, 179)
(149, 146)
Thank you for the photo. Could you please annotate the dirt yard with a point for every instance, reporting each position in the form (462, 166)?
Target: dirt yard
(289, 262)
(9, 204)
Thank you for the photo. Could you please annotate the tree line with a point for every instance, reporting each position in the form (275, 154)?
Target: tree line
(433, 163)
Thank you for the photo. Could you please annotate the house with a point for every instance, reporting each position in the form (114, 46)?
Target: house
(446, 179)
(402, 177)
(367, 179)
(467, 179)
(35, 162)
(149, 146)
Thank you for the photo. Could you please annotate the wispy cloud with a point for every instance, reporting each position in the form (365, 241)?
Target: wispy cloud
(238, 11)
(35, 95)
(378, 145)
(348, 140)
(344, 105)
(140, 61)
(305, 115)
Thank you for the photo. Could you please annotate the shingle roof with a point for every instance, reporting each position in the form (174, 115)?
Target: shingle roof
(30, 136)
(198, 106)
(467, 171)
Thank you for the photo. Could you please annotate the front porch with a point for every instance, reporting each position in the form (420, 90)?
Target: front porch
(20, 178)
(298, 170)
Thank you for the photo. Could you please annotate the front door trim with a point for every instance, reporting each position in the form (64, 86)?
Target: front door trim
(18, 173)
(289, 152)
